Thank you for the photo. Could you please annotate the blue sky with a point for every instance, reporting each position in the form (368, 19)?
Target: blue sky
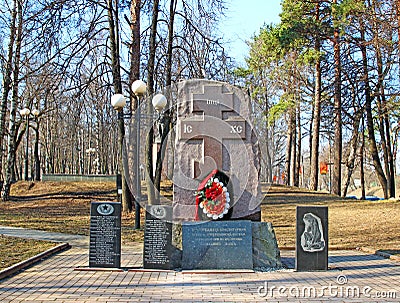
(244, 18)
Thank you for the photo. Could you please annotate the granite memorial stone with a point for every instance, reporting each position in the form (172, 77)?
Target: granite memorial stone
(312, 238)
(105, 235)
(157, 249)
(217, 245)
(214, 133)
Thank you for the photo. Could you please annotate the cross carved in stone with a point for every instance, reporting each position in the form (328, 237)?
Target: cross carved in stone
(209, 123)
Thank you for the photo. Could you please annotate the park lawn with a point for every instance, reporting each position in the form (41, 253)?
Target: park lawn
(62, 207)
(65, 207)
(14, 250)
(352, 223)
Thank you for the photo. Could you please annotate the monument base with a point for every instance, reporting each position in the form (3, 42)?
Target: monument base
(231, 245)
(266, 254)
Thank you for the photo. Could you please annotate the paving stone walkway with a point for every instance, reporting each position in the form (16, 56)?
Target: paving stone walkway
(353, 277)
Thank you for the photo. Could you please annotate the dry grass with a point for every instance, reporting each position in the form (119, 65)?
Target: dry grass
(14, 250)
(65, 207)
(54, 206)
(352, 223)
(61, 207)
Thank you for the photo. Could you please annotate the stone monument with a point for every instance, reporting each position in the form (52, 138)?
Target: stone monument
(214, 132)
(105, 235)
(216, 171)
(157, 248)
(312, 238)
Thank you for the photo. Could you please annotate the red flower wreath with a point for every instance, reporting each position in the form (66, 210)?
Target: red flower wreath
(212, 197)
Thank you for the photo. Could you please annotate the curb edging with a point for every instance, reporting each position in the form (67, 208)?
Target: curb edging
(5, 273)
(379, 253)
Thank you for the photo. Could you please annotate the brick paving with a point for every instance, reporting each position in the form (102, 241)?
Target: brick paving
(353, 277)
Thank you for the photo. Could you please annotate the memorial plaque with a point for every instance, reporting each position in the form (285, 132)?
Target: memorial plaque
(157, 247)
(311, 238)
(105, 235)
(217, 245)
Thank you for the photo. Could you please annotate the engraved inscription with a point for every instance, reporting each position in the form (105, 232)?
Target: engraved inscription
(227, 129)
(187, 128)
(236, 129)
(213, 102)
(156, 241)
(216, 236)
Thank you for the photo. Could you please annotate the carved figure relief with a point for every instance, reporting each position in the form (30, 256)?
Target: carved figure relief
(312, 239)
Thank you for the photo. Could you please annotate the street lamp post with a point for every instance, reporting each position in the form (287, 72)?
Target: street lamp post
(118, 101)
(159, 102)
(139, 89)
(90, 151)
(36, 173)
(25, 112)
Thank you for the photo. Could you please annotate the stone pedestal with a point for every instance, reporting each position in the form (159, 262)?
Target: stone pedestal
(226, 245)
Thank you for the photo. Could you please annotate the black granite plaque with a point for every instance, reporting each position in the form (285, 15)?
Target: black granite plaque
(217, 245)
(157, 248)
(105, 235)
(312, 238)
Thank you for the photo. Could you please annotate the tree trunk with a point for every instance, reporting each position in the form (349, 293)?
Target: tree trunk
(135, 75)
(117, 84)
(385, 127)
(267, 140)
(317, 113)
(113, 24)
(370, 121)
(10, 172)
(350, 163)
(316, 128)
(289, 143)
(337, 144)
(135, 35)
(167, 116)
(293, 166)
(298, 156)
(161, 152)
(150, 92)
(362, 174)
(168, 77)
(7, 84)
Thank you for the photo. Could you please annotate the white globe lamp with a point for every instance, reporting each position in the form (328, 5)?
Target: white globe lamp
(159, 102)
(139, 87)
(118, 101)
